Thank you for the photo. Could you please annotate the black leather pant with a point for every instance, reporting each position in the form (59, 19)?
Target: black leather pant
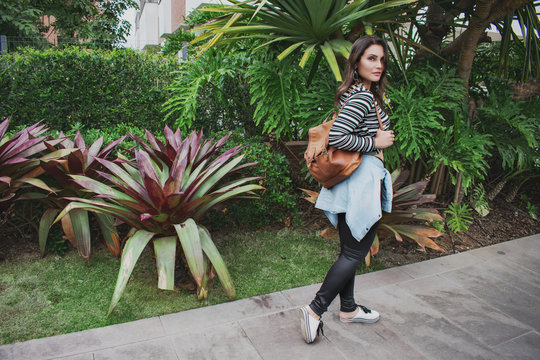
(340, 277)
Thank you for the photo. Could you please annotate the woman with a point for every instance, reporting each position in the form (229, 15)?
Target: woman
(355, 205)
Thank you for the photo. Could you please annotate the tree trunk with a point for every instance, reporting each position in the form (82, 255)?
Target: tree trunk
(485, 12)
(436, 180)
(496, 190)
(477, 25)
(412, 174)
(458, 190)
(439, 16)
(513, 191)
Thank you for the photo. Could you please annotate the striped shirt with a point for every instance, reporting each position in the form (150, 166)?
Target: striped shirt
(356, 125)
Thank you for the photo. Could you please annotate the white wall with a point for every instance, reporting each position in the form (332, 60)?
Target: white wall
(131, 39)
(148, 31)
(165, 11)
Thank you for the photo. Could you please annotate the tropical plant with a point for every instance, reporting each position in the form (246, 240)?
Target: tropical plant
(513, 126)
(438, 22)
(464, 151)
(479, 200)
(161, 193)
(402, 222)
(459, 217)
(79, 160)
(19, 161)
(209, 72)
(325, 28)
(276, 87)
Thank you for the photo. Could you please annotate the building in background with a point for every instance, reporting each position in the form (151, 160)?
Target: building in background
(156, 18)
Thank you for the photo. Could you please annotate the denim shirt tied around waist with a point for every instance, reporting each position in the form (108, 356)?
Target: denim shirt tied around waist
(362, 197)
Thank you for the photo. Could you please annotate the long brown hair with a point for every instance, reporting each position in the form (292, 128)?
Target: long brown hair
(357, 50)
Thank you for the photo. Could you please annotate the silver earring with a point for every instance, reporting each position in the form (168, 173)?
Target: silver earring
(356, 76)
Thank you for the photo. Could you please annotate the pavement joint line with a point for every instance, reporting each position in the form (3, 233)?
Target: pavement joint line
(517, 337)
(497, 309)
(249, 339)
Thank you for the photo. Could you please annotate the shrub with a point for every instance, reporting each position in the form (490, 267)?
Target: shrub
(89, 88)
(278, 200)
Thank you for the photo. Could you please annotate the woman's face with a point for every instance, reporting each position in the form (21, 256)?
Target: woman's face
(370, 66)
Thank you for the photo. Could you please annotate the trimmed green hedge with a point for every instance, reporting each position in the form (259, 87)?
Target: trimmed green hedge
(85, 88)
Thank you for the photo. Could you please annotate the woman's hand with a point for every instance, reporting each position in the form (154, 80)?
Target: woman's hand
(384, 139)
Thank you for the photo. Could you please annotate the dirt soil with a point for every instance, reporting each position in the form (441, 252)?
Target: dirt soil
(506, 221)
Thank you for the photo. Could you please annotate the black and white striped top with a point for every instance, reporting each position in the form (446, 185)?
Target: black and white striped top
(356, 125)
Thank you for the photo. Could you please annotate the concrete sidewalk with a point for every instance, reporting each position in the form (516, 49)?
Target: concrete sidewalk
(481, 304)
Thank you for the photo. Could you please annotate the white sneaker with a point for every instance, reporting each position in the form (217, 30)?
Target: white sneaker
(364, 315)
(309, 325)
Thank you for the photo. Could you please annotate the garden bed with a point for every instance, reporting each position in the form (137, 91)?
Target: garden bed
(71, 296)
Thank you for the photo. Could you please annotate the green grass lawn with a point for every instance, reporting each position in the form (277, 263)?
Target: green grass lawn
(58, 295)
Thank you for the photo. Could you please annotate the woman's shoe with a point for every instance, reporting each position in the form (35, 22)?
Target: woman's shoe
(364, 315)
(309, 325)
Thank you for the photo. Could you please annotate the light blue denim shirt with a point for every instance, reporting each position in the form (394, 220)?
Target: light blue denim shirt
(362, 197)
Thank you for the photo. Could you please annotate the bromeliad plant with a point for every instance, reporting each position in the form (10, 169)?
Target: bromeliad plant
(19, 159)
(161, 193)
(402, 222)
(79, 160)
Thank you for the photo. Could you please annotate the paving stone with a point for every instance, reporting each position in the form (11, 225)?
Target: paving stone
(378, 279)
(492, 252)
(223, 313)
(525, 347)
(467, 311)
(302, 295)
(157, 349)
(526, 261)
(500, 294)
(527, 242)
(529, 245)
(221, 342)
(86, 341)
(87, 356)
(278, 336)
(422, 327)
(439, 265)
(372, 341)
(511, 272)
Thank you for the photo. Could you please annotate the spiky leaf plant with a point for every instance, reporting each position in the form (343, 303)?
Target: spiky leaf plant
(324, 28)
(79, 160)
(19, 159)
(402, 222)
(161, 193)
(407, 210)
